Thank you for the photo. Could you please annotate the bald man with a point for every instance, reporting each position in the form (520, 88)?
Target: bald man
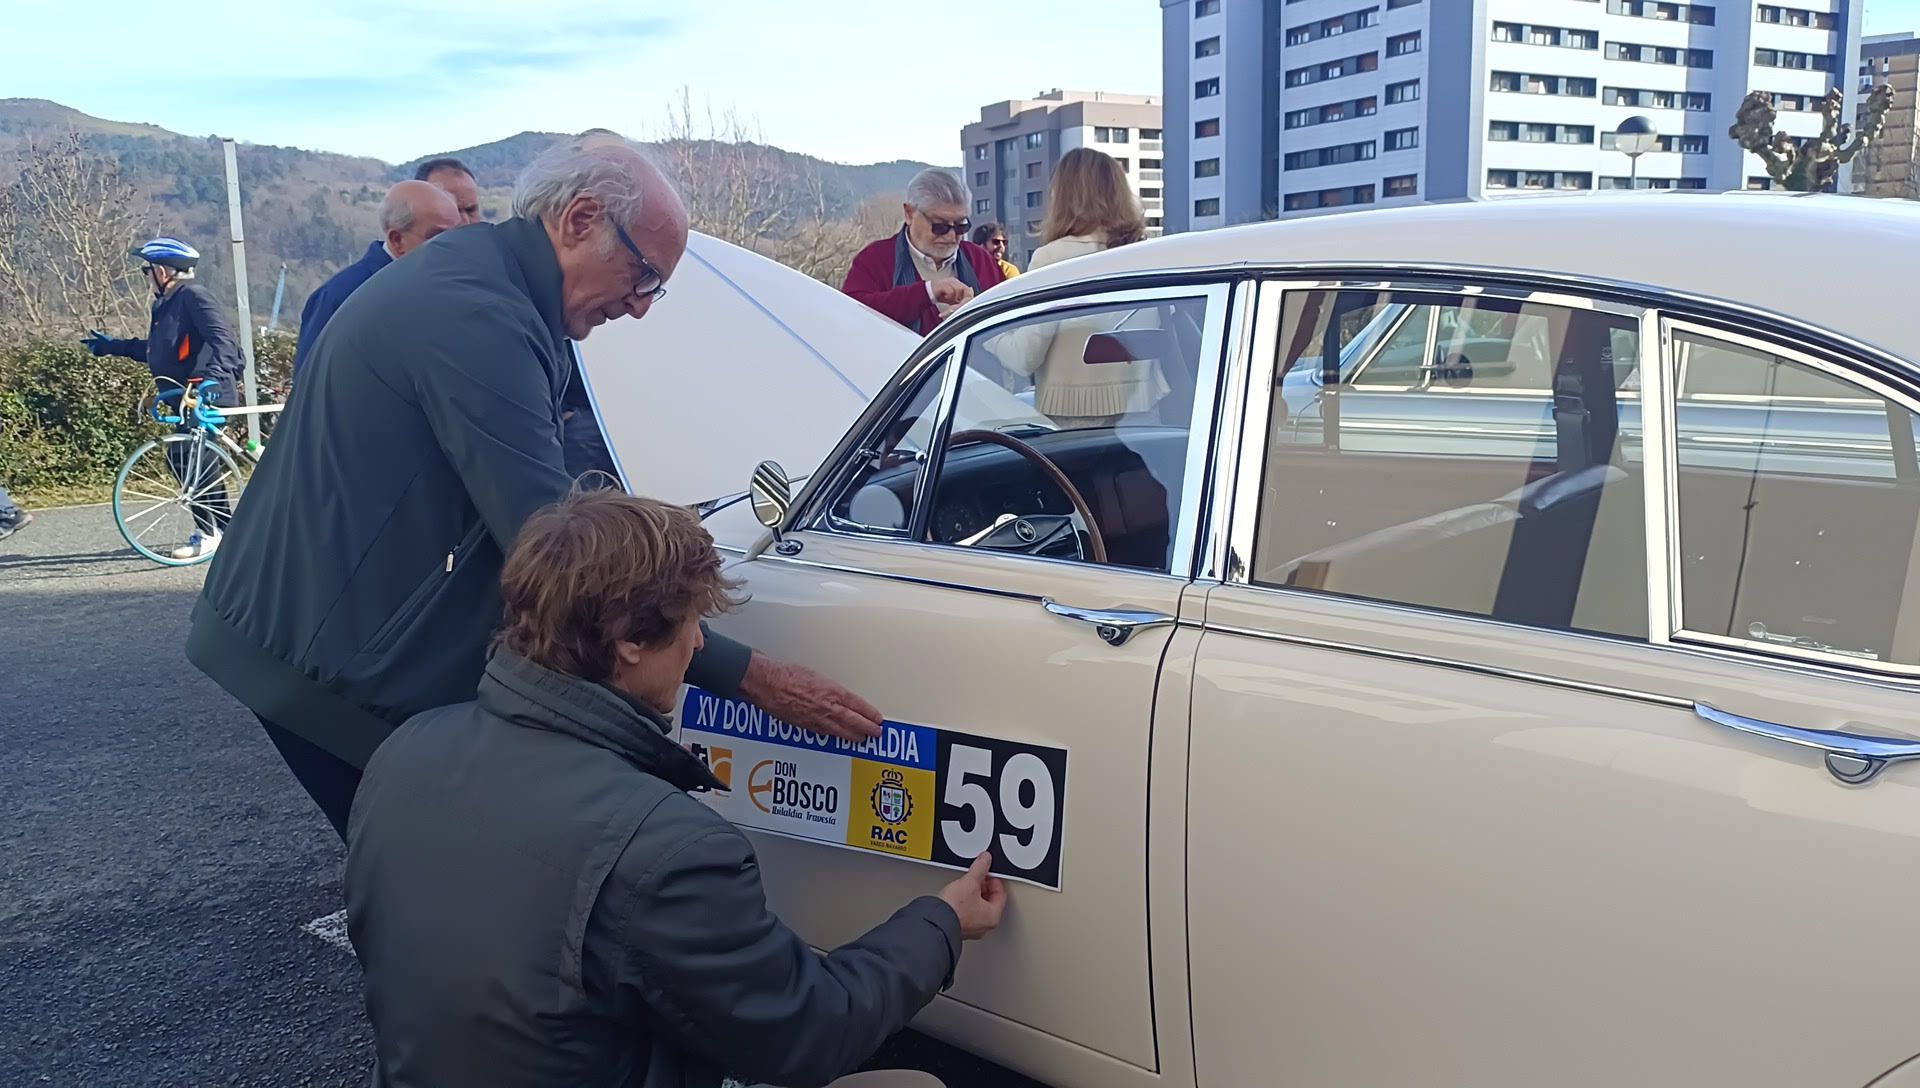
(411, 215)
(359, 584)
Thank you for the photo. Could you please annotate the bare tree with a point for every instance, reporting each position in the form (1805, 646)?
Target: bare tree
(67, 223)
(740, 190)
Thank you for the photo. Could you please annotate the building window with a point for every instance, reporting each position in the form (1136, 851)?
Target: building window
(1150, 194)
(1339, 69)
(1538, 179)
(1403, 92)
(1207, 88)
(1149, 134)
(1207, 47)
(1539, 132)
(1204, 8)
(1033, 170)
(1806, 62)
(1206, 209)
(1653, 183)
(1206, 168)
(1105, 135)
(1036, 200)
(1772, 13)
(1699, 14)
(1403, 139)
(1207, 128)
(1033, 227)
(1660, 54)
(983, 179)
(1036, 140)
(1125, 164)
(1333, 111)
(979, 152)
(1404, 185)
(1336, 155)
(1401, 45)
(1330, 198)
(1698, 101)
(982, 207)
(1562, 86)
(1546, 35)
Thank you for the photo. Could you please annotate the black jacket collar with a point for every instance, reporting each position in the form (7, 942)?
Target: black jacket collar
(530, 695)
(527, 244)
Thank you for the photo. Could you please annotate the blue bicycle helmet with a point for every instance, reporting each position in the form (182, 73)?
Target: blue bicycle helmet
(171, 252)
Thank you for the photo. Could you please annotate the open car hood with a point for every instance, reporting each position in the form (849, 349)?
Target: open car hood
(745, 361)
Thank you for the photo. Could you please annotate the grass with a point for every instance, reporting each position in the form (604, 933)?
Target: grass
(81, 495)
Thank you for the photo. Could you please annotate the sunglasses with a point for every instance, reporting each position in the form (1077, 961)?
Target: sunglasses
(649, 286)
(941, 229)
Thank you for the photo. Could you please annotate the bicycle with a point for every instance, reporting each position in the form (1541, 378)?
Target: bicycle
(173, 486)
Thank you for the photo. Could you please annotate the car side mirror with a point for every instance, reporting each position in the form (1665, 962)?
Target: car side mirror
(772, 494)
(1127, 346)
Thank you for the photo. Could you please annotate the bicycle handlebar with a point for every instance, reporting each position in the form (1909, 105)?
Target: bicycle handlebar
(206, 410)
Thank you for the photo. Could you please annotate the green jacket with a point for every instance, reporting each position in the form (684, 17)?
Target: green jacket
(359, 582)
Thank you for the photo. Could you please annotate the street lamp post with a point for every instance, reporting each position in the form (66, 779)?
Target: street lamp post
(1635, 137)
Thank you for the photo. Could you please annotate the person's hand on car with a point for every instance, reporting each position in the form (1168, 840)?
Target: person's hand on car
(800, 696)
(978, 897)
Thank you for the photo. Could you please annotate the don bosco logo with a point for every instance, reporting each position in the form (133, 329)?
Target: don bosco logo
(776, 788)
(718, 760)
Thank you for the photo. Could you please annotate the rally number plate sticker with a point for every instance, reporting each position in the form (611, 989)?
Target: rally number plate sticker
(934, 796)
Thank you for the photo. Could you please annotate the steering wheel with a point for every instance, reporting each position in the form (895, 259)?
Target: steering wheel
(1028, 534)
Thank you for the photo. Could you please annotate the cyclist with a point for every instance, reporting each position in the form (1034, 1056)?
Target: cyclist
(191, 344)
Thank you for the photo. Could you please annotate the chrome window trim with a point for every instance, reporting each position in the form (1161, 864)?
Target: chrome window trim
(1243, 509)
(1212, 556)
(1671, 329)
(1218, 296)
(1659, 484)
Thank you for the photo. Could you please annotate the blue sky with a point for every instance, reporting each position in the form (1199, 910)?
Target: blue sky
(852, 80)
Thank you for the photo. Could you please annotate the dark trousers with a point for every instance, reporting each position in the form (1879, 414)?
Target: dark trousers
(328, 779)
(199, 472)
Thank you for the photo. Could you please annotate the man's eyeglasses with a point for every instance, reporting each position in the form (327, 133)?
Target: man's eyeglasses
(941, 228)
(649, 285)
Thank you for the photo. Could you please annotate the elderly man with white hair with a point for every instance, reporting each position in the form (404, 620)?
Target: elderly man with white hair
(922, 274)
(359, 583)
(412, 214)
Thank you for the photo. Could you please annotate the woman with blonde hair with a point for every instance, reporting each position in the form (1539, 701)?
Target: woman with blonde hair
(1090, 207)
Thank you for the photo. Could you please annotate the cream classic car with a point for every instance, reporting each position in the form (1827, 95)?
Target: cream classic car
(1462, 645)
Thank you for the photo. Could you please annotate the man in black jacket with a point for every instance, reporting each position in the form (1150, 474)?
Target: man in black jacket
(189, 346)
(360, 579)
(537, 901)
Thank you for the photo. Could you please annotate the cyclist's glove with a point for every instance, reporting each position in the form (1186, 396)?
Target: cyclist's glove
(99, 343)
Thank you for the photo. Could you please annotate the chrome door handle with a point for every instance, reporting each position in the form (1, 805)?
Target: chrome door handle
(1114, 625)
(1850, 757)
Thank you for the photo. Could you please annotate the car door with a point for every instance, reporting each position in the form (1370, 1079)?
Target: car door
(940, 568)
(1495, 781)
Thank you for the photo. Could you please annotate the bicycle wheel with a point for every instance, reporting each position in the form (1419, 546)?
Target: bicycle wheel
(169, 488)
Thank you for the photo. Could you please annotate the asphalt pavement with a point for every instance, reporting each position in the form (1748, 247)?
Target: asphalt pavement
(161, 873)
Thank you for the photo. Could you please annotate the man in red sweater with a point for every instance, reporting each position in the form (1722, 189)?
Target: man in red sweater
(922, 274)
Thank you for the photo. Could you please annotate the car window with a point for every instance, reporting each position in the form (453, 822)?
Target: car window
(1495, 483)
(880, 494)
(1798, 497)
(1075, 445)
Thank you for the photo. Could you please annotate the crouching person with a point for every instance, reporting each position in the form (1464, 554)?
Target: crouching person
(535, 898)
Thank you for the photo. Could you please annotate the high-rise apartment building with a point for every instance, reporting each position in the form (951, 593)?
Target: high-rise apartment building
(1010, 154)
(1293, 107)
(1890, 166)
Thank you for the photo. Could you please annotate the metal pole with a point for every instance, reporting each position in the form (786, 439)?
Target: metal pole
(240, 289)
(1633, 172)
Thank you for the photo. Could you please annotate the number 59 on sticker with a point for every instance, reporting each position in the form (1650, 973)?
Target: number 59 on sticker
(1001, 796)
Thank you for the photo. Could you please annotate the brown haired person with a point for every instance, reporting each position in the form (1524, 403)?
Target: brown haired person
(535, 898)
(1090, 207)
(992, 237)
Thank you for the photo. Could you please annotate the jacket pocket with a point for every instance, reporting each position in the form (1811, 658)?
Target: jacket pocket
(424, 594)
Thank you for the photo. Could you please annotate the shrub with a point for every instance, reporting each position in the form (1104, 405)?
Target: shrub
(67, 419)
